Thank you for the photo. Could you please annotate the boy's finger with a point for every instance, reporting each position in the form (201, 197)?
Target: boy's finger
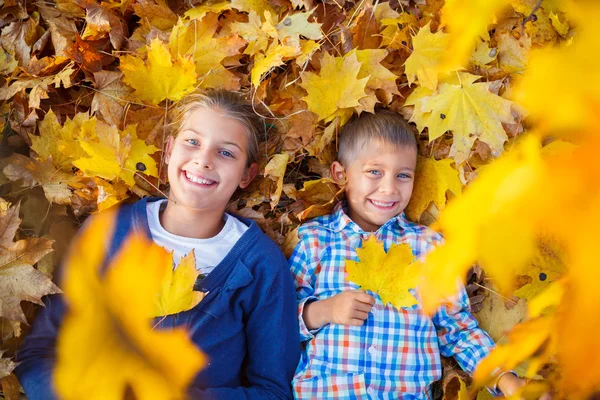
(365, 298)
(360, 315)
(365, 307)
(356, 322)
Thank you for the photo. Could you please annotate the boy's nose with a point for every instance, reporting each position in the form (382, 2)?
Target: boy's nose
(388, 186)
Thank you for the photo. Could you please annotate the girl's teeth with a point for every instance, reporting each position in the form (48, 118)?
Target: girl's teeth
(198, 180)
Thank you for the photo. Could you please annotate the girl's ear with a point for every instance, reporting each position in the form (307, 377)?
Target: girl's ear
(338, 173)
(169, 149)
(249, 174)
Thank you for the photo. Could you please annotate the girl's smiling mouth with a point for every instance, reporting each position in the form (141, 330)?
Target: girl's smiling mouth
(198, 180)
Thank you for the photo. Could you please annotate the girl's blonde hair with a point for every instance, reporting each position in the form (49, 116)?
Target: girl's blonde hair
(228, 102)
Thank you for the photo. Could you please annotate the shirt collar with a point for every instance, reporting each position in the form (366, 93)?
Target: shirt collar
(341, 220)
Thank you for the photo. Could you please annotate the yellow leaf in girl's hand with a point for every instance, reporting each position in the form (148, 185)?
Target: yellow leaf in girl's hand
(106, 344)
(159, 77)
(177, 288)
(390, 274)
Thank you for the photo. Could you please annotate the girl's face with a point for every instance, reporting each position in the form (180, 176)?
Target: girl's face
(207, 161)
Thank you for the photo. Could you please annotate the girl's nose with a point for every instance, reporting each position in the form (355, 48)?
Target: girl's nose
(203, 158)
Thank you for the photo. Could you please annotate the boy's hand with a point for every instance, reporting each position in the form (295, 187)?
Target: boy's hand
(509, 384)
(351, 307)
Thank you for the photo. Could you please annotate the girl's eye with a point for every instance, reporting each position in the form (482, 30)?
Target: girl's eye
(227, 153)
(193, 142)
(374, 172)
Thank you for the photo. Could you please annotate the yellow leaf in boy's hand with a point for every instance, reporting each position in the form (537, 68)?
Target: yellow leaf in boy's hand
(336, 89)
(390, 274)
(106, 344)
(159, 77)
(177, 289)
(432, 180)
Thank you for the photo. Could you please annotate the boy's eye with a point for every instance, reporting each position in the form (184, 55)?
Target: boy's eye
(374, 172)
(404, 176)
(227, 153)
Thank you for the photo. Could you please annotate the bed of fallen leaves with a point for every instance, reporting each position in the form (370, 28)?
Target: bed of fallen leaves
(87, 88)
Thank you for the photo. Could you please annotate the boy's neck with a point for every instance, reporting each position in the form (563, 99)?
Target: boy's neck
(191, 223)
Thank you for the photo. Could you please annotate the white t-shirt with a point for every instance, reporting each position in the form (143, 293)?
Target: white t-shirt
(209, 252)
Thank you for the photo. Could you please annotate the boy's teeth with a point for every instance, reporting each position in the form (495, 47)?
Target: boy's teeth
(198, 180)
(382, 204)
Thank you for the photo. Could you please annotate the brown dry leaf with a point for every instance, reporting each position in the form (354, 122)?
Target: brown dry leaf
(156, 14)
(19, 281)
(19, 38)
(110, 99)
(6, 365)
(11, 387)
(91, 54)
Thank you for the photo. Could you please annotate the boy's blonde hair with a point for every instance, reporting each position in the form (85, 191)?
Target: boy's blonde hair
(232, 104)
(384, 125)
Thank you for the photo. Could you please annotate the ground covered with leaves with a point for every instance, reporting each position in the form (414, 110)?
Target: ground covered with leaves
(502, 95)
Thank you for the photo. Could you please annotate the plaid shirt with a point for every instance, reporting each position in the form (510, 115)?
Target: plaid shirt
(396, 353)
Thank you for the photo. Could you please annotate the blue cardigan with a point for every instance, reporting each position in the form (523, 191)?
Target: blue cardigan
(247, 324)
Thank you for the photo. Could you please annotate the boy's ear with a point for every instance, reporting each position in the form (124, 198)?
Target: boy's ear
(249, 174)
(338, 173)
(169, 149)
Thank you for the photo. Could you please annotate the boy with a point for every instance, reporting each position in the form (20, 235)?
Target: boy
(354, 346)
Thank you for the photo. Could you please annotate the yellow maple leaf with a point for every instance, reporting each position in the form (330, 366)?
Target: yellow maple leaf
(494, 210)
(468, 109)
(177, 288)
(380, 78)
(196, 39)
(59, 143)
(561, 27)
(199, 11)
(297, 24)
(159, 77)
(466, 21)
(483, 54)
(547, 265)
(423, 62)
(117, 154)
(432, 180)
(336, 89)
(271, 59)
(258, 6)
(106, 344)
(256, 32)
(391, 275)
(575, 108)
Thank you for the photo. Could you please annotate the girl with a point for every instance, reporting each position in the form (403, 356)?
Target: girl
(247, 323)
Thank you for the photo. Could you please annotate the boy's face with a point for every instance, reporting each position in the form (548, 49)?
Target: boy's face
(379, 182)
(207, 160)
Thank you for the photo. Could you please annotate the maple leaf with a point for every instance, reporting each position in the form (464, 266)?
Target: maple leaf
(391, 275)
(336, 89)
(432, 180)
(198, 12)
(19, 281)
(159, 78)
(423, 62)
(106, 343)
(468, 109)
(512, 52)
(466, 22)
(256, 32)
(297, 24)
(258, 6)
(271, 59)
(6, 365)
(177, 288)
(472, 231)
(196, 39)
(117, 154)
(56, 142)
(275, 169)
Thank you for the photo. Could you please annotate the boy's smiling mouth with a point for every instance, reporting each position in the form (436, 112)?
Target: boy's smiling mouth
(199, 180)
(384, 205)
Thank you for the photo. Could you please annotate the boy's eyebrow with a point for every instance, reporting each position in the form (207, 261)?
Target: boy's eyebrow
(200, 134)
(376, 164)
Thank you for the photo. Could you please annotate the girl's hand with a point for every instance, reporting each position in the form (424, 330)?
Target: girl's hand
(351, 307)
